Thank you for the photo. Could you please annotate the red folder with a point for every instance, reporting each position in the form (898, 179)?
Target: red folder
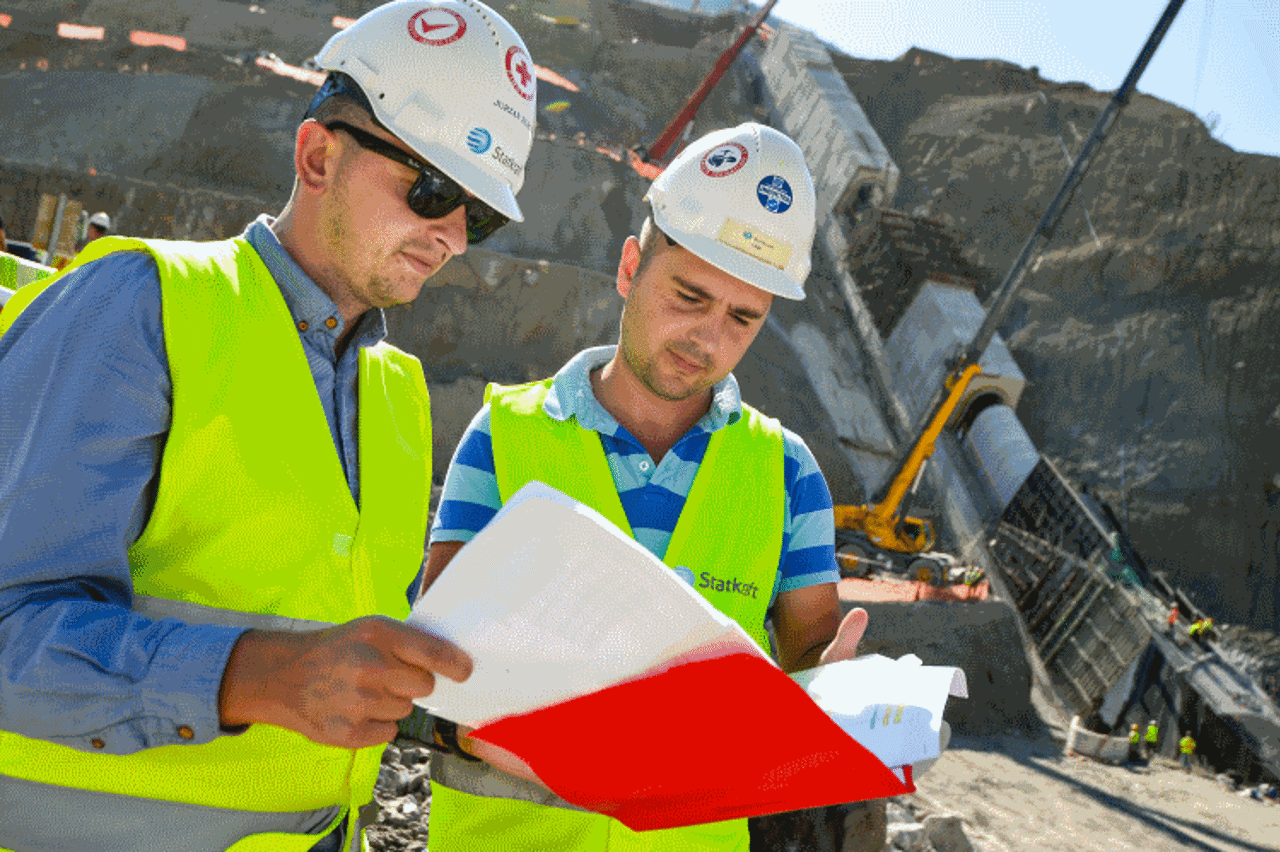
(701, 742)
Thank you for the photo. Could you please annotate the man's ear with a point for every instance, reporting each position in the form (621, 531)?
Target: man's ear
(315, 152)
(628, 265)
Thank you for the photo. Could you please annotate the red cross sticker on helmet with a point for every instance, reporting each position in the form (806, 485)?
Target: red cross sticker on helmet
(437, 27)
(520, 72)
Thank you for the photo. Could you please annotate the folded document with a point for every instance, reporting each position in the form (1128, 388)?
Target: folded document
(630, 695)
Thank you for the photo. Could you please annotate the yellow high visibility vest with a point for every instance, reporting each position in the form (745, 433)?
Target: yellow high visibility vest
(253, 514)
(730, 527)
(1187, 745)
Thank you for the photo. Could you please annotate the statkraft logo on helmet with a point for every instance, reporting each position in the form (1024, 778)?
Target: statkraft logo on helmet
(479, 140)
(439, 77)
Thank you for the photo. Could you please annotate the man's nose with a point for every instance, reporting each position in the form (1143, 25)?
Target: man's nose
(451, 230)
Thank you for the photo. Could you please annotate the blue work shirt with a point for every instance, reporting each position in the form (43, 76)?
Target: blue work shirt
(85, 399)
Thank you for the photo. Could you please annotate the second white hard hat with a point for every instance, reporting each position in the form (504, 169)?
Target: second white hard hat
(102, 220)
(453, 81)
(742, 200)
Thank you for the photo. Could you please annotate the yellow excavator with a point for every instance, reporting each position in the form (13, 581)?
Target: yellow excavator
(881, 534)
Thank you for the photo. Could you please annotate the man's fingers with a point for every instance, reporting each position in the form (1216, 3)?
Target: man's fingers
(420, 649)
(845, 645)
(430, 653)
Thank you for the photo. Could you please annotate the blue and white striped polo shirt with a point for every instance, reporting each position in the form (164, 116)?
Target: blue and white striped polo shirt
(652, 495)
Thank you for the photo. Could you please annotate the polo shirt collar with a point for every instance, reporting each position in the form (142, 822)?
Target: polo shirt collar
(571, 395)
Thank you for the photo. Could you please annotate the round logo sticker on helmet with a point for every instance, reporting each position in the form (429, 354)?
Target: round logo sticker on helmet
(683, 573)
(724, 160)
(520, 72)
(437, 27)
(479, 140)
(774, 193)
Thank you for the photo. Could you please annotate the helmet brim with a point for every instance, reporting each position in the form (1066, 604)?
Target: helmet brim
(492, 191)
(742, 266)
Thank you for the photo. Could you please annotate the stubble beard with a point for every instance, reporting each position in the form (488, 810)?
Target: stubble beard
(375, 291)
(645, 369)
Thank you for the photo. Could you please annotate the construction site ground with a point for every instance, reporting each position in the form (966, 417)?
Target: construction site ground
(1020, 792)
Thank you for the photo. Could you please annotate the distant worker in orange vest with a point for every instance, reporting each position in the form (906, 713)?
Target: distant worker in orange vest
(1174, 614)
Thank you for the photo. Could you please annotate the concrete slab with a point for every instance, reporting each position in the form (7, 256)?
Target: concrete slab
(980, 638)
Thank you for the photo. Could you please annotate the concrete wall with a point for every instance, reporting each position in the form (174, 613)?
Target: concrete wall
(937, 326)
(814, 106)
(981, 638)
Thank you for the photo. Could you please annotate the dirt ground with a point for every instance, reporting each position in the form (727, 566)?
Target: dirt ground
(1021, 793)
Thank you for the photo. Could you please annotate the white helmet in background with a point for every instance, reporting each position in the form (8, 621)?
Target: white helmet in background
(102, 220)
(742, 200)
(453, 81)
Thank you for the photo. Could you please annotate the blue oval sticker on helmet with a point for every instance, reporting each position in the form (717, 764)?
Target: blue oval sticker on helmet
(683, 573)
(479, 140)
(774, 193)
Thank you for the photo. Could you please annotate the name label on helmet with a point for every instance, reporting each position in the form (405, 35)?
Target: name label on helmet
(510, 110)
(748, 240)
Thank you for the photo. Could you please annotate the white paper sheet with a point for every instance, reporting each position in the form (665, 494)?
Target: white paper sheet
(892, 707)
(553, 601)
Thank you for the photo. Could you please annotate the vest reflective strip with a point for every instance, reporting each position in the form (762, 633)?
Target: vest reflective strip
(49, 818)
(481, 779)
(194, 613)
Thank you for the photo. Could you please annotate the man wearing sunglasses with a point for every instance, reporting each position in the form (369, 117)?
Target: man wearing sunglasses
(215, 473)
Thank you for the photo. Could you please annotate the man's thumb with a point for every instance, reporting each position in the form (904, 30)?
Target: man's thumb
(845, 645)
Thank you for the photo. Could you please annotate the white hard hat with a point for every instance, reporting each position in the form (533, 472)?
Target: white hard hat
(742, 200)
(453, 81)
(102, 220)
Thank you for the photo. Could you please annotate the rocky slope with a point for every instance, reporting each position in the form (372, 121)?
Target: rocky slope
(1149, 327)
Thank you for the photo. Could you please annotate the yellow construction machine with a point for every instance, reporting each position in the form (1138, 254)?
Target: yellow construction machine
(882, 534)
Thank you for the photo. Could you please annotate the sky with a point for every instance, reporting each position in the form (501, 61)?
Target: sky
(1220, 59)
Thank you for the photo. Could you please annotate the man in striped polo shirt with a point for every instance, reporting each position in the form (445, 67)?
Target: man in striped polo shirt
(732, 225)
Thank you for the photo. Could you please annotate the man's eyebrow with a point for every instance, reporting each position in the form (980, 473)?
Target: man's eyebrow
(746, 313)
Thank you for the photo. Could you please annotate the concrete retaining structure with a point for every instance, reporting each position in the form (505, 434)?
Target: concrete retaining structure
(1097, 746)
(981, 638)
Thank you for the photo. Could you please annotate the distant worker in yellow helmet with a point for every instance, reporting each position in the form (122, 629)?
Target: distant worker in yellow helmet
(632, 430)
(216, 473)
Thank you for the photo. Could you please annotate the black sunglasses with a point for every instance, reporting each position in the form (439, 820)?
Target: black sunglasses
(434, 194)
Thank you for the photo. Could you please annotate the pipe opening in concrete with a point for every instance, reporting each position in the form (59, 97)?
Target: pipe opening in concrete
(976, 406)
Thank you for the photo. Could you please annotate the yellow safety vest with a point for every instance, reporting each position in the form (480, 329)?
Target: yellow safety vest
(730, 527)
(18, 274)
(1187, 745)
(1133, 737)
(253, 514)
(1153, 733)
